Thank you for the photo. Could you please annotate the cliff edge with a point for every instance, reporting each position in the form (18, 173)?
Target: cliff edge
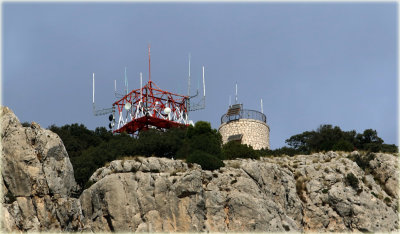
(319, 192)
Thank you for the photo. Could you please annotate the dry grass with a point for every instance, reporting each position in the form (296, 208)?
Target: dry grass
(301, 188)
(235, 165)
(176, 171)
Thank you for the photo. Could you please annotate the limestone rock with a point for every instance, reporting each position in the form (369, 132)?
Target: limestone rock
(272, 194)
(301, 193)
(37, 179)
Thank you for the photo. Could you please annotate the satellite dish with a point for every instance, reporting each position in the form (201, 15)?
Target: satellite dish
(128, 106)
(111, 117)
(167, 110)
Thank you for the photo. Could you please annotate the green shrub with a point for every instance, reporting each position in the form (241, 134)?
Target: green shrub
(203, 138)
(233, 149)
(352, 180)
(160, 143)
(205, 160)
(363, 160)
(343, 145)
(25, 124)
(279, 152)
(328, 137)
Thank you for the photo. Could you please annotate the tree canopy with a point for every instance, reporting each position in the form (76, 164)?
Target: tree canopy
(327, 138)
(90, 150)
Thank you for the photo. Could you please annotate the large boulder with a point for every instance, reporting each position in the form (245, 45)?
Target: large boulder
(37, 179)
(163, 195)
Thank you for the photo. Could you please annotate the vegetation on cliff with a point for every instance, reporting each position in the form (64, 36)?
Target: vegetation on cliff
(90, 150)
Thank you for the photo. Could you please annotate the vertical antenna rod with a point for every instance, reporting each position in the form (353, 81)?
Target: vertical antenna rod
(141, 87)
(93, 88)
(126, 82)
(262, 109)
(236, 94)
(115, 85)
(189, 78)
(204, 84)
(149, 64)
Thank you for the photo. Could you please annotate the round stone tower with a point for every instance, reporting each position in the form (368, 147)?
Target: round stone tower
(245, 126)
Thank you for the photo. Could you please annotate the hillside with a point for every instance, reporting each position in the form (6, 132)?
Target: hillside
(331, 191)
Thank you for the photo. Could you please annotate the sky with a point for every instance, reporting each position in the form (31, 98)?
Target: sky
(311, 63)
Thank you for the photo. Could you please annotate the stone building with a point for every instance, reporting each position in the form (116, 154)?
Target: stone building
(245, 126)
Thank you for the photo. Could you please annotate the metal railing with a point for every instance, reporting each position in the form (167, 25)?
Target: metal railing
(244, 114)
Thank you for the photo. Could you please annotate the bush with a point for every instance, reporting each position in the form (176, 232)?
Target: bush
(279, 152)
(352, 180)
(96, 156)
(205, 160)
(343, 145)
(203, 138)
(233, 149)
(389, 148)
(363, 160)
(25, 124)
(159, 143)
(327, 137)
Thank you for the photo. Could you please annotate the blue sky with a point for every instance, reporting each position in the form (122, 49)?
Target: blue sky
(311, 63)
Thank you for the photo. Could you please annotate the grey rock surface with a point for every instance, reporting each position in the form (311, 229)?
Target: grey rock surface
(37, 179)
(300, 193)
(272, 194)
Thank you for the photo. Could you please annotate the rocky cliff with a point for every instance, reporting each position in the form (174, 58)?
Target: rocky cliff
(37, 179)
(319, 192)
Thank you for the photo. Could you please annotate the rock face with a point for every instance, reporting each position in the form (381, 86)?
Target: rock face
(319, 192)
(37, 179)
(301, 193)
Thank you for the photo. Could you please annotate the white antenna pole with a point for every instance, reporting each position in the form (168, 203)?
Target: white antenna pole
(262, 109)
(115, 85)
(140, 86)
(126, 82)
(204, 84)
(93, 87)
(236, 94)
(189, 78)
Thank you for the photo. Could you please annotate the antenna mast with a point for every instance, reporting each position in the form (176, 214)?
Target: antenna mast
(236, 94)
(141, 85)
(102, 111)
(149, 64)
(202, 103)
(189, 78)
(204, 85)
(262, 109)
(93, 90)
(126, 83)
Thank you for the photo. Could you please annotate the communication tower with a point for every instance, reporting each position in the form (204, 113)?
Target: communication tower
(150, 107)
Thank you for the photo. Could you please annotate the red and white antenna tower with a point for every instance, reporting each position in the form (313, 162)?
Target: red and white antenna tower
(149, 107)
